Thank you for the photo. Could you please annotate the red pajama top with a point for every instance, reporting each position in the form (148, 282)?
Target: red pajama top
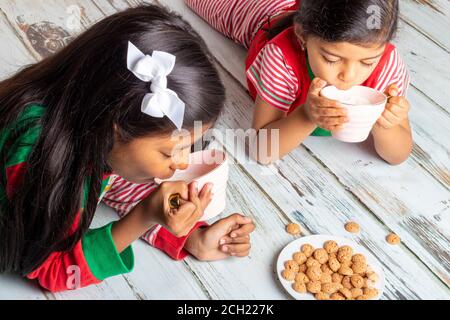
(95, 256)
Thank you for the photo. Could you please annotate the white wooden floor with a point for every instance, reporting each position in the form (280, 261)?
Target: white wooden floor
(321, 185)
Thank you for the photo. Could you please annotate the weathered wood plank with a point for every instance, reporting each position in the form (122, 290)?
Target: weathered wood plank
(426, 61)
(432, 18)
(14, 55)
(13, 287)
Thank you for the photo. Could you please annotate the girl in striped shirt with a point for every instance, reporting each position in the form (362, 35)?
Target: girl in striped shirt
(296, 48)
(94, 122)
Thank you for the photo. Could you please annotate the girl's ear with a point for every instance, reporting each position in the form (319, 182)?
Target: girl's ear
(300, 35)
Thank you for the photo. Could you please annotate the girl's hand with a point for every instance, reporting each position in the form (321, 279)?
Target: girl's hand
(178, 221)
(397, 109)
(227, 237)
(325, 113)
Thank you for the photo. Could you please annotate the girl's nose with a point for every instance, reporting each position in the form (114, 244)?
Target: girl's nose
(348, 75)
(181, 166)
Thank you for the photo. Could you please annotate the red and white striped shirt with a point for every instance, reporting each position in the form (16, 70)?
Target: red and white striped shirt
(239, 20)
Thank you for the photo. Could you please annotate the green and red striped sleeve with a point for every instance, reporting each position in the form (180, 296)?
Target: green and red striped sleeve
(95, 257)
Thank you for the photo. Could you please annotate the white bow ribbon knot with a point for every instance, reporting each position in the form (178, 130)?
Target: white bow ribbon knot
(161, 101)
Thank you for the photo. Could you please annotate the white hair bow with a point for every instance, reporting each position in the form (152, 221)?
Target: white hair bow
(155, 68)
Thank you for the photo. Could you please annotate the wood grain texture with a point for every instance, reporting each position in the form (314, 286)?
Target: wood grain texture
(321, 185)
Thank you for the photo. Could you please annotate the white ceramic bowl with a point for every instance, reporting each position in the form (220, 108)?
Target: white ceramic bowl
(318, 241)
(364, 105)
(208, 166)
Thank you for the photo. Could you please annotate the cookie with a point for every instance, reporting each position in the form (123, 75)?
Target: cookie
(292, 265)
(288, 274)
(326, 269)
(331, 246)
(325, 278)
(314, 286)
(321, 255)
(293, 229)
(352, 227)
(299, 257)
(308, 250)
(357, 281)
(359, 258)
(345, 254)
(299, 287)
(356, 292)
(346, 293)
(393, 239)
(347, 283)
(337, 278)
(345, 271)
(359, 268)
(311, 262)
(322, 296)
(371, 292)
(334, 264)
(337, 296)
(301, 277)
(314, 273)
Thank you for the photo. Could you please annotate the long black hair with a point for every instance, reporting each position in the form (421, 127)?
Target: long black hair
(343, 20)
(88, 93)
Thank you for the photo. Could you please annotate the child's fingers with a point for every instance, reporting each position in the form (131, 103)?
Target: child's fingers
(316, 86)
(322, 102)
(235, 249)
(243, 231)
(384, 123)
(392, 118)
(206, 195)
(239, 240)
(237, 219)
(332, 112)
(332, 128)
(332, 121)
(392, 90)
(193, 191)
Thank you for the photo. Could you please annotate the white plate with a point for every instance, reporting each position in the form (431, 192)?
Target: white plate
(317, 242)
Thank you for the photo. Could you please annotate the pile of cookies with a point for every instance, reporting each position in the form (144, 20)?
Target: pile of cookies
(331, 273)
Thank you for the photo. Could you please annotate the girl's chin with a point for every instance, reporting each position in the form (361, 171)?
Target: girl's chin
(166, 176)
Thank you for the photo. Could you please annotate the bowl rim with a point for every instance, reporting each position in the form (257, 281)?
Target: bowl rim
(383, 98)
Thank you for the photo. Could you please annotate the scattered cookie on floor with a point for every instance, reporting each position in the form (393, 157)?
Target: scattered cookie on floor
(352, 227)
(293, 229)
(393, 239)
(332, 272)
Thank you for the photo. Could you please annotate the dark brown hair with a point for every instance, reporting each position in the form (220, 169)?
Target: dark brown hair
(343, 20)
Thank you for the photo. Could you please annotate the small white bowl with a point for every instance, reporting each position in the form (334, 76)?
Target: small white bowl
(364, 106)
(317, 241)
(208, 166)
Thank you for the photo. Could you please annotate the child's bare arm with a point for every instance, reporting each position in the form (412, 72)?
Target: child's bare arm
(293, 130)
(297, 126)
